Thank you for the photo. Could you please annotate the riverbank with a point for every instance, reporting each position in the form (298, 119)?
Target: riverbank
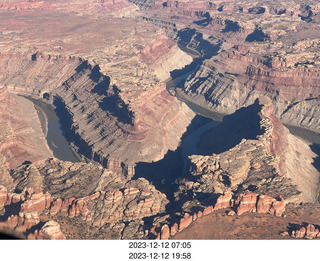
(53, 131)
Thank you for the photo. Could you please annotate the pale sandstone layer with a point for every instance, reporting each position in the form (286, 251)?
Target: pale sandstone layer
(256, 153)
(21, 136)
(105, 78)
(248, 49)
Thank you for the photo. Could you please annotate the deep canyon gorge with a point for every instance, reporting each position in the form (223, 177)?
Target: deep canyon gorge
(152, 119)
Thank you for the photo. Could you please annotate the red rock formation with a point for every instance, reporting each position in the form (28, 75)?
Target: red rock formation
(223, 201)
(55, 206)
(36, 202)
(50, 230)
(3, 196)
(20, 132)
(253, 202)
(308, 231)
(174, 229)
(185, 222)
(165, 232)
(207, 210)
(21, 222)
(264, 203)
(278, 206)
(246, 202)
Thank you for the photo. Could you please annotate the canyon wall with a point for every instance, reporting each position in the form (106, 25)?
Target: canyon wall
(248, 50)
(62, 195)
(255, 153)
(112, 100)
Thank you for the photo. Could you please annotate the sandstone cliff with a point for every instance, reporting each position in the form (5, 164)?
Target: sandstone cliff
(255, 153)
(77, 192)
(248, 50)
(91, 82)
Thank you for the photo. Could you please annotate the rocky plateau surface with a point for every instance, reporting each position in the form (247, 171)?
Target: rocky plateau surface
(256, 153)
(97, 200)
(108, 86)
(247, 50)
(104, 66)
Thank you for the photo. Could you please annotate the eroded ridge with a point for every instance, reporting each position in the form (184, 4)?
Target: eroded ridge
(86, 197)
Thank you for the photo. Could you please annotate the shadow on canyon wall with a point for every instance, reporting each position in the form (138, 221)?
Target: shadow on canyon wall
(70, 130)
(243, 124)
(164, 174)
(192, 42)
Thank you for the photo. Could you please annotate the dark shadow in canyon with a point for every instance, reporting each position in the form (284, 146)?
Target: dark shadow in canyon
(257, 36)
(192, 42)
(166, 173)
(257, 10)
(243, 124)
(204, 22)
(187, 69)
(70, 130)
(115, 106)
(231, 27)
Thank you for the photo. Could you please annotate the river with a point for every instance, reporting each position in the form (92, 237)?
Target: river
(53, 131)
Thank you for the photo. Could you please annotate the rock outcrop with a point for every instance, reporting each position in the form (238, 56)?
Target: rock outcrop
(259, 50)
(246, 202)
(104, 202)
(141, 120)
(263, 158)
(20, 133)
(307, 231)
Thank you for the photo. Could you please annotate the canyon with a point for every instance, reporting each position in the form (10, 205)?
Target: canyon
(128, 82)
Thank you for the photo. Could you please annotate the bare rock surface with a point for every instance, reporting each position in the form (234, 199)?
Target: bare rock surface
(104, 65)
(84, 70)
(248, 50)
(251, 225)
(104, 202)
(20, 133)
(257, 153)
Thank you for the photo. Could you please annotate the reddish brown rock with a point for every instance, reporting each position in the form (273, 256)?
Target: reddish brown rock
(311, 232)
(194, 217)
(21, 222)
(208, 210)
(174, 229)
(223, 201)
(3, 196)
(55, 206)
(165, 232)
(264, 203)
(185, 222)
(308, 231)
(231, 213)
(299, 233)
(51, 230)
(246, 202)
(278, 206)
(37, 202)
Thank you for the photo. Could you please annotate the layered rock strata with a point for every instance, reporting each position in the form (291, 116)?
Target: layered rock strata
(246, 202)
(106, 201)
(259, 155)
(21, 136)
(308, 231)
(111, 94)
(268, 49)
